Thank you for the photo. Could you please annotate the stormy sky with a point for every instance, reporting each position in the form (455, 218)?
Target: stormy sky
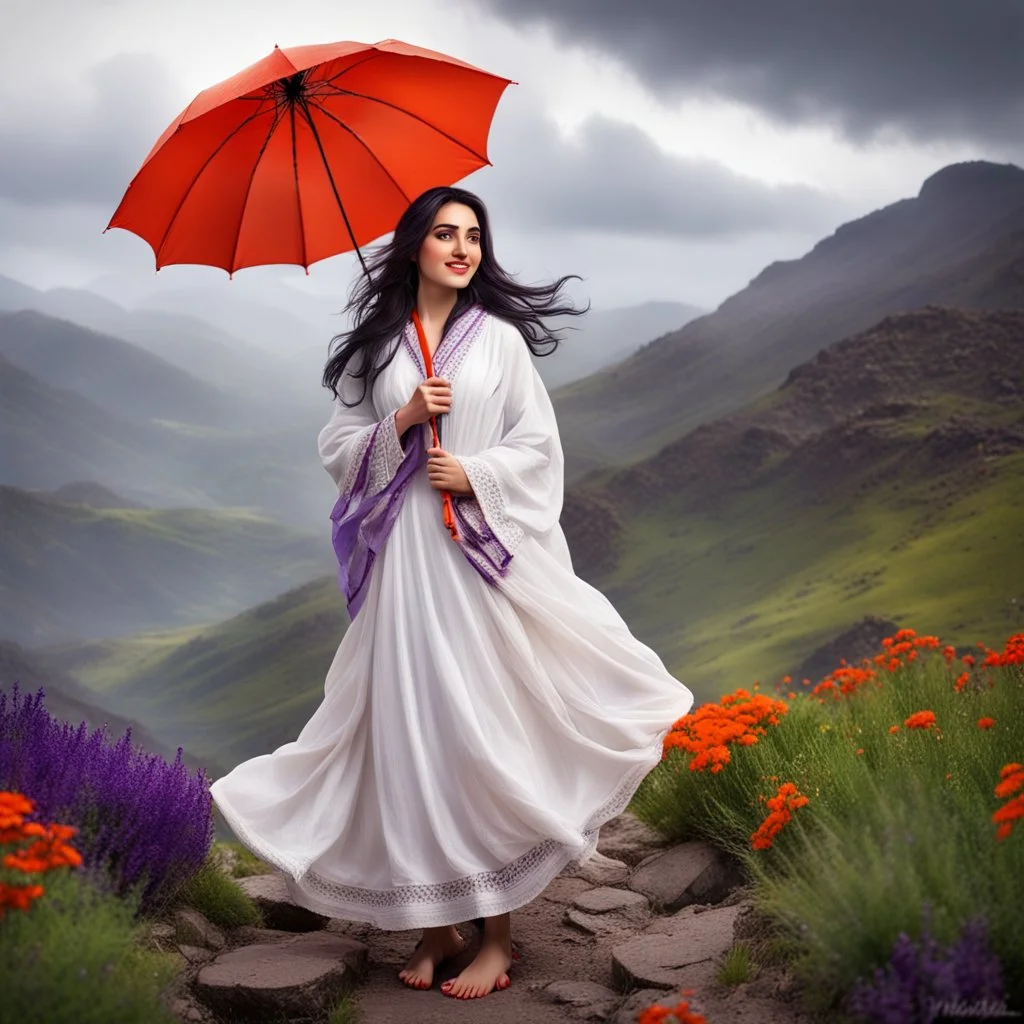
(663, 149)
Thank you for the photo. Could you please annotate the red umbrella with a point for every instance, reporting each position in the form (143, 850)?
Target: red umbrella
(309, 152)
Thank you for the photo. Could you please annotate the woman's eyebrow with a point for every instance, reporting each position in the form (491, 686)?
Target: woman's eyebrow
(454, 227)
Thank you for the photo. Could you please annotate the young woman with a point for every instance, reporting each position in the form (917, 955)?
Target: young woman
(487, 710)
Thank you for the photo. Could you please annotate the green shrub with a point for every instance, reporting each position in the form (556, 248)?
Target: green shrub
(219, 898)
(73, 958)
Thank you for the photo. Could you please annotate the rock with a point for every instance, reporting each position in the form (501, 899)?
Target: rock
(159, 936)
(195, 954)
(191, 928)
(250, 934)
(184, 1008)
(564, 889)
(593, 924)
(300, 977)
(693, 872)
(588, 1000)
(599, 870)
(606, 899)
(675, 952)
(270, 894)
(629, 839)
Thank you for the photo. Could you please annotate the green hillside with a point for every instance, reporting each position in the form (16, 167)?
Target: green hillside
(227, 692)
(884, 478)
(70, 570)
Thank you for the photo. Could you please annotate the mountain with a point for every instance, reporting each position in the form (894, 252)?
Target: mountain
(214, 356)
(884, 477)
(87, 492)
(242, 312)
(959, 242)
(49, 437)
(229, 691)
(71, 570)
(68, 701)
(122, 378)
(601, 338)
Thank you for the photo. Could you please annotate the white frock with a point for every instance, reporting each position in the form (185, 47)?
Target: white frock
(487, 710)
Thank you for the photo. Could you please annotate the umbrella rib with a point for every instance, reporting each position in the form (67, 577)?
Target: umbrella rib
(206, 163)
(416, 117)
(330, 178)
(355, 135)
(298, 192)
(248, 192)
(352, 67)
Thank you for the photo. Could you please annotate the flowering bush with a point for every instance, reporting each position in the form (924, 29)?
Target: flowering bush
(141, 821)
(920, 976)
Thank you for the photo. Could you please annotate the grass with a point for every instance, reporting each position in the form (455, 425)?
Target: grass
(218, 898)
(345, 1012)
(74, 958)
(737, 966)
(905, 821)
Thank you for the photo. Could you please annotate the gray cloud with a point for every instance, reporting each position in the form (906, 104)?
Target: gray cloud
(87, 147)
(929, 68)
(613, 179)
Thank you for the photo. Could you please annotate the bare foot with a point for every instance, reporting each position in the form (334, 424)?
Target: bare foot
(436, 945)
(487, 972)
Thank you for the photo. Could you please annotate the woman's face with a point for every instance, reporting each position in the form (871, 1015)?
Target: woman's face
(450, 253)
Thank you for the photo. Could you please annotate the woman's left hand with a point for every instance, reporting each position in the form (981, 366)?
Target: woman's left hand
(445, 472)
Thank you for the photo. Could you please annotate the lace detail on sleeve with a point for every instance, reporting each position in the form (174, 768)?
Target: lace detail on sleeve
(361, 453)
(491, 501)
(389, 453)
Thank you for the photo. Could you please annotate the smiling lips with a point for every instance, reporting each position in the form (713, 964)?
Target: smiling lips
(457, 267)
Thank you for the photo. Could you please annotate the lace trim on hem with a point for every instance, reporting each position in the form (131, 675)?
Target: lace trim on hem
(483, 894)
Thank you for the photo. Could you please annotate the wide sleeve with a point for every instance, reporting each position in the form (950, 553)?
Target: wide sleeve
(372, 469)
(518, 482)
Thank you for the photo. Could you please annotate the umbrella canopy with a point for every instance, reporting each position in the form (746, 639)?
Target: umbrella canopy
(310, 152)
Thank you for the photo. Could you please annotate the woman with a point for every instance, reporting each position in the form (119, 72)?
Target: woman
(487, 710)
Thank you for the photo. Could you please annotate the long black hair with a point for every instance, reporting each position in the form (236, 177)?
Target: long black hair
(383, 299)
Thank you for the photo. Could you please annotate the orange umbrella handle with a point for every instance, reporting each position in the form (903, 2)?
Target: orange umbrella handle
(428, 364)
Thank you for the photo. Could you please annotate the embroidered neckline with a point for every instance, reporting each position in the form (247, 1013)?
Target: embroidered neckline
(469, 319)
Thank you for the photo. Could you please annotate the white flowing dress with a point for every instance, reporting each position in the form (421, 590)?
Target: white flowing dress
(487, 710)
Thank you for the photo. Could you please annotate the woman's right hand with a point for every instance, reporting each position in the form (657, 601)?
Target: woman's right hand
(431, 398)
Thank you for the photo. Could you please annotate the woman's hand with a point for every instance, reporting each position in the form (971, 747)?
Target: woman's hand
(431, 398)
(445, 473)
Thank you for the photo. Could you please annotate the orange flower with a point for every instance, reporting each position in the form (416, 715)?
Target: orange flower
(678, 1014)
(48, 849)
(986, 723)
(787, 800)
(893, 728)
(1012, 780)
(708, 732)
(920, 720)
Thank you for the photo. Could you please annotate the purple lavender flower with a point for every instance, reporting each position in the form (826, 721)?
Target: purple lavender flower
(921, 976)
(142, 822)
